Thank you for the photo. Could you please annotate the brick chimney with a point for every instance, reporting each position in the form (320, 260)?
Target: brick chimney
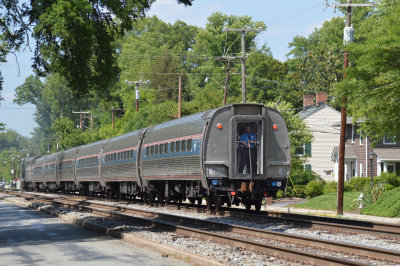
(322, 98)
(308, 101)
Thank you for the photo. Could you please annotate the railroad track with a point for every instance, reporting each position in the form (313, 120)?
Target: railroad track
(298, 220)
(223, 233)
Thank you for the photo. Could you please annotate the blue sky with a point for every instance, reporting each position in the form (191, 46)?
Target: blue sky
(284, 19)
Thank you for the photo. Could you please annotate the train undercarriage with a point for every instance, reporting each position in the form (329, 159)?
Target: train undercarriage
(217, 194)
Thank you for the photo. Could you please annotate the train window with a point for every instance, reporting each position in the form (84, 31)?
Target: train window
(165, 148)
(189, 145)
(183, 145)
(147, 151)
(131, 154)
(156, 149)
(172, 147)
(152, 150)
(177, 144)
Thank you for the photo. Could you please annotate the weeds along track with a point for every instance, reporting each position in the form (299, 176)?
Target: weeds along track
(291, 247)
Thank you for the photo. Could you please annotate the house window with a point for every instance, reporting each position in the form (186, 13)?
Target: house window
(361, 138)
(307, 148)
(361, 170)
(300, 150)
(388, 140)
(391, 168)
(353, 132)
(308, 167)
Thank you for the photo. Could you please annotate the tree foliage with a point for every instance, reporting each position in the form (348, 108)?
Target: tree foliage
(373, 83)
(73, 38)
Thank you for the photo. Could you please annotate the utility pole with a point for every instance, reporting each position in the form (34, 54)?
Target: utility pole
(180, 96)
(228, 60)
(112, 114)
(243, 57)
(347, 38)
(80, 118)
(137, 93)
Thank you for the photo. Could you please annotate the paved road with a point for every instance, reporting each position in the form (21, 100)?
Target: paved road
(28, 237)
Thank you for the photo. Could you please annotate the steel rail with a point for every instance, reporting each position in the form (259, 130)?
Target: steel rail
(375, 253)
(309, 221)
(278, 251)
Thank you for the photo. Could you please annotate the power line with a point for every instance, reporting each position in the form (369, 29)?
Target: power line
(177, 73)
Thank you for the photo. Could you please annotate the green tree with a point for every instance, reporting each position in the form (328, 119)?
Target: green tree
(73, 38)
(373, 83)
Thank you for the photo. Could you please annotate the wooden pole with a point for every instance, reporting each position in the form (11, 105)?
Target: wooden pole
(91, 122)
(180, 96)
(112, 117)
(226, 82)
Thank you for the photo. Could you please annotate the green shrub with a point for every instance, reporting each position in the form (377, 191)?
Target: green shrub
(314, 188)
(387, 205)
(330, 187)
(280, 194)
(298, 191)
(304, 177)
(358, 183)
(348, 186)
(372, 194)
(388, 178)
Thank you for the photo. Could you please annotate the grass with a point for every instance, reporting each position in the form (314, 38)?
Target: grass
(329, 202)
(388, 205)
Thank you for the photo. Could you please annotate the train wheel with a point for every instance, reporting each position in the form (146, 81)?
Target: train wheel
(218, 203)
(192, 201)
(258, 205)
(199, 201)
(248, 206)
(161, 197)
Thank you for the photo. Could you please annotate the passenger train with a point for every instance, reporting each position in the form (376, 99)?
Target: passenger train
(193, 157)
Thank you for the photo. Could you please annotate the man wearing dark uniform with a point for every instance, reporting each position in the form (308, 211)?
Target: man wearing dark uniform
(248, 141)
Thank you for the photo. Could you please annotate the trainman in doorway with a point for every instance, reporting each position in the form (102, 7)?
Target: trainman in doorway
(248, 150)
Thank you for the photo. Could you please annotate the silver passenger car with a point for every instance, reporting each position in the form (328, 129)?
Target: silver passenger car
(200, 155)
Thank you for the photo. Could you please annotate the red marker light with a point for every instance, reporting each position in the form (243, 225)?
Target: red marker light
(219, 126)
(233, 193)
(274, 127)
(265, 194)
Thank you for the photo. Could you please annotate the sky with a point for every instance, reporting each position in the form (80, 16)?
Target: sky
(284, 19)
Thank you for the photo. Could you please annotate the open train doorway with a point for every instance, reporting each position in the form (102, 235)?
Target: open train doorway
(248, 152)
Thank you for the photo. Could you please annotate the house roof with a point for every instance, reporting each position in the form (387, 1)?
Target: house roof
(349, 121)
(388, 154)
(350, 153)
(313, 109)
